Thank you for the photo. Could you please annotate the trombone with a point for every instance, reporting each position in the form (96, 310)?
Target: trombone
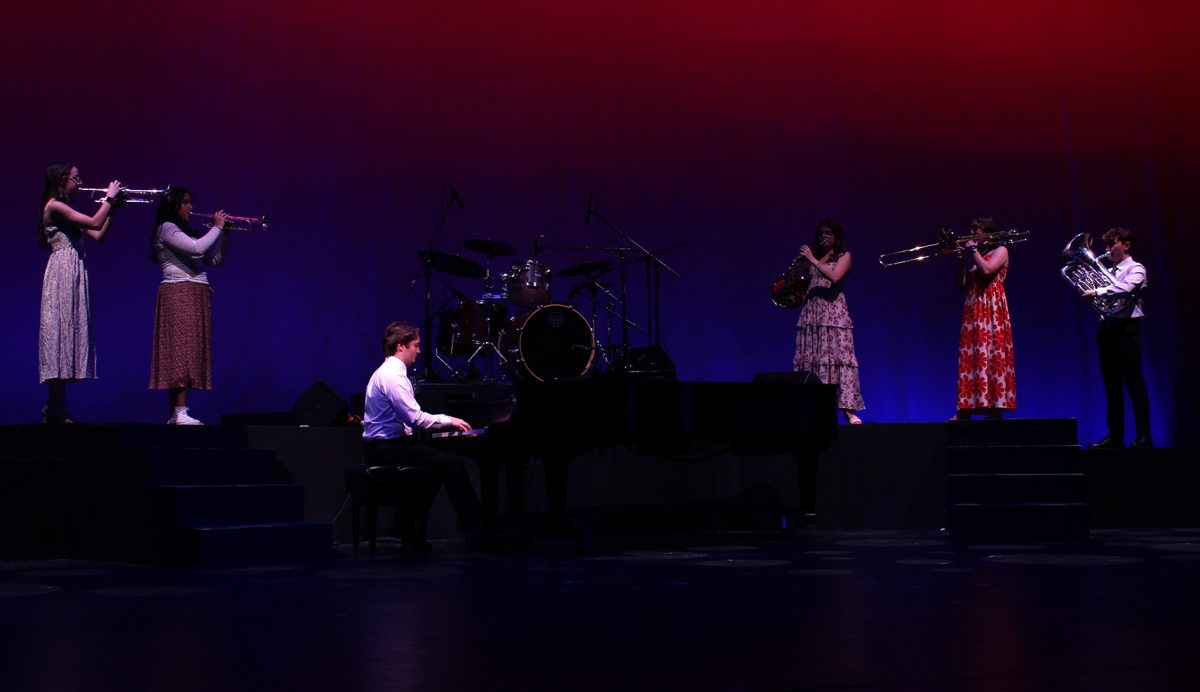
(238, 223)
(126, 195)
(948, 244)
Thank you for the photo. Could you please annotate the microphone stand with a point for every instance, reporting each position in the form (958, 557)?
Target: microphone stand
(654, 276)
(427, 270)
(653, 263)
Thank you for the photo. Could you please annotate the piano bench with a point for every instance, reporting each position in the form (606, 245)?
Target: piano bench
(409, 489)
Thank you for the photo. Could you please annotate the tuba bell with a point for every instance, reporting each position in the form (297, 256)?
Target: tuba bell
(1082, 269)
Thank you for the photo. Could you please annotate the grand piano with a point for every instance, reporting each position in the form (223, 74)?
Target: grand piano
(556, 421)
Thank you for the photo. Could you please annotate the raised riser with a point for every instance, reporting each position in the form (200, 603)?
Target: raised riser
(1007, 459)
(207, 466)
(1014, 431)
(224, 505)
(86, 440)
(1058, 521)
(1016, 488)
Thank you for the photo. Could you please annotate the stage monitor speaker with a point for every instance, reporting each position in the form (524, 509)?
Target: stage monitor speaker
(801, 377)
(650, 362)
(320, 406)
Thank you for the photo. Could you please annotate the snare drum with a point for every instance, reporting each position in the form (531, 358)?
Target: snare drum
(528, 284)
(552, 342)
(470, 326)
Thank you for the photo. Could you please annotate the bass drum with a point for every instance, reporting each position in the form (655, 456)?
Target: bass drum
(553, 342)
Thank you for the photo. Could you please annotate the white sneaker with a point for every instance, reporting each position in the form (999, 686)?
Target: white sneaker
(182, 418)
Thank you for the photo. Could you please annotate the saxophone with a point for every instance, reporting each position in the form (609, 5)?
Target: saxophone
(790, 288)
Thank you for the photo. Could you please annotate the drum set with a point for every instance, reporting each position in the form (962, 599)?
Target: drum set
(544, 340)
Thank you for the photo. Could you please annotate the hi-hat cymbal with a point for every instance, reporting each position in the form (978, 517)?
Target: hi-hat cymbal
(585, 268)
(489, 247)
(452, 264)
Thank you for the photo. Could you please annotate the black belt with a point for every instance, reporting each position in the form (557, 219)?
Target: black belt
(406, 440)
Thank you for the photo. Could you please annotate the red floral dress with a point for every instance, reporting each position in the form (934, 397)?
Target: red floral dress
(986, 377)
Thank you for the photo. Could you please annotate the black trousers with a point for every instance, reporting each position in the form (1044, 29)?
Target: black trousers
(447, 469)
(1120, 342)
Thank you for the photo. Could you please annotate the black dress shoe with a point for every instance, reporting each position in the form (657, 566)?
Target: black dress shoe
(1142, 442)
(1107, 443)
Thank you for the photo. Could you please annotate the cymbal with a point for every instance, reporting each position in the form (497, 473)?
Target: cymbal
(489, 247)
(452, 264)
(585, 268)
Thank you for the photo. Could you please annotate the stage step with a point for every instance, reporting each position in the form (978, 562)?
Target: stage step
(206, 466)
(88, 440)
(227, 505)
(983, 488)
(1016, 459)
(1026, 520)
(1012, 432)
(1016, 479)
(246, 545)
(184, 495)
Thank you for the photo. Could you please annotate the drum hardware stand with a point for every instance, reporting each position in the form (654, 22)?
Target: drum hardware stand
(489, 281)
(436, 350)
(491, 377)
(427, 270)
(653, 262)
(594, 288)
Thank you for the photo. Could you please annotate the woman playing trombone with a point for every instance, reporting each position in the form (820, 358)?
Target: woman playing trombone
(66, 342)
(986, 376)
(182, 355)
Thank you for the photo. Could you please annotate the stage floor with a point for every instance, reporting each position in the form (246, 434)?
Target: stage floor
(896, 610)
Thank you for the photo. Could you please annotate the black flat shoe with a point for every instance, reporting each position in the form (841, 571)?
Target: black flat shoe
(55, 416)
(1107, 443)
(1142, 442)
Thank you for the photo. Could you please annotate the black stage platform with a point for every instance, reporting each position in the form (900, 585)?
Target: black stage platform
(875, 476)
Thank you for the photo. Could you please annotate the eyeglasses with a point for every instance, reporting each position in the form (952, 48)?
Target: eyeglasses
(77, 179)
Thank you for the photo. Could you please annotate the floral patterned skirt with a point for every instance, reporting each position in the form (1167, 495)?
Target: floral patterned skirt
(828, 353)
(182, 356)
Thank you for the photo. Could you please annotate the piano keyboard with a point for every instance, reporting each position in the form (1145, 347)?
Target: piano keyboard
(474, 432)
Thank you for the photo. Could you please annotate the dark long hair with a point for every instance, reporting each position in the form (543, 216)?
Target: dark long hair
(52, 183)
(838, 248)
(984, 224)
(168, 211)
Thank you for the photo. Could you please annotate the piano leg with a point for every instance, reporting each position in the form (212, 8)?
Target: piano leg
(489, 489)
(516, 475)
(557, 467)
(806, 478)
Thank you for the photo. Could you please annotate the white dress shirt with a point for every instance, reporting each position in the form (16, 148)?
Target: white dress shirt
(391, 409)
(1129, 276)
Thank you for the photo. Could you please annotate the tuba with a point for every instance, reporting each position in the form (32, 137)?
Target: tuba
(1082, 269)
(790, 288)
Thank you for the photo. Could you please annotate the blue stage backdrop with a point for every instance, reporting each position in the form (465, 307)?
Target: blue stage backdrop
(730, 126)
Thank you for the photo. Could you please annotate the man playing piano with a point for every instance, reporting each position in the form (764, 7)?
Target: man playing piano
(390, 415)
